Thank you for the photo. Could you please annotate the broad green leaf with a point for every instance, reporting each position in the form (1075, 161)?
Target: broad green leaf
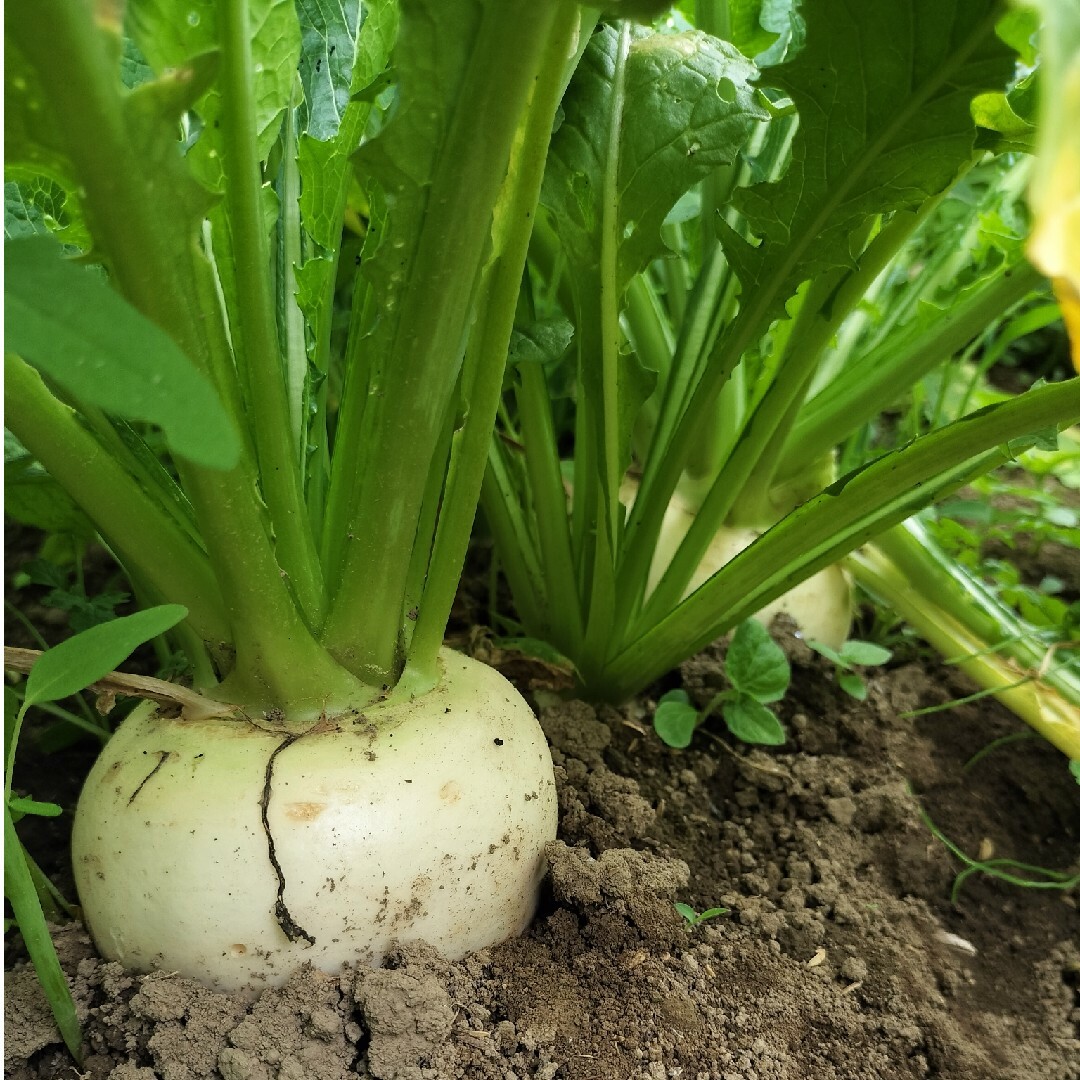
(81, 660)
(684, 106)
(20, 892)
(865, 653)
(635, 136)
(171, 33)
(884, 98)
(755, 665)
(675, 719)
(70, 325)
(1074, 768)
(751, 722)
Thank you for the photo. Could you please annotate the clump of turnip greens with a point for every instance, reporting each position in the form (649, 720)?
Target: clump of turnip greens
(759, 674)
(289, 443)
(735, 255)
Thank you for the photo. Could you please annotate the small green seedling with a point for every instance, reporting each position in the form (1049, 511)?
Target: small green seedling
(853, 654)
(695, 918)
(759, 674)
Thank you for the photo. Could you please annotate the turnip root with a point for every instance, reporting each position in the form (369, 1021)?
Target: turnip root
(821, 606)
(234, 850)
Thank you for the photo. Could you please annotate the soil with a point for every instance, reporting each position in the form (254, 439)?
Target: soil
(840, 956)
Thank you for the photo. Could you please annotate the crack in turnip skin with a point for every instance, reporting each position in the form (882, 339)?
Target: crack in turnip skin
(163, 756)
(289, 926)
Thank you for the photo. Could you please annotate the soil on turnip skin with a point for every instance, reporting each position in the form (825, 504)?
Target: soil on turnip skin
(841, 956)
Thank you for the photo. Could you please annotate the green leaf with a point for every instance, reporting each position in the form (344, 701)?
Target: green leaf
(537, 649)
(32, 141)
(747, 32)
(884, 97)
(77, 331)
(36, 205)
(685, 107)
(541, 342)
(1004, 129)
(329, 31)
(751, 722)
(34, 498)
(1074, 768)
(865, 653)
(675, 719)
(853, 685)
(687, 912)
(81, 660)
(32, 806)
(1019, 27)
(20, 891)
(827, 651)
(172, 33)
(756, 665)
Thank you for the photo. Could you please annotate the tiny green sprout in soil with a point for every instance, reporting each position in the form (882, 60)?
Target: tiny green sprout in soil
(695, 918)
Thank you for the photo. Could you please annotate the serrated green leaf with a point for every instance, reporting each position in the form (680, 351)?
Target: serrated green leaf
(172, 33)
(751, 722)
(675, 719)
(81, 660)
(685, 107)
(325, 167)
(755, 665)
(884, 99)
(70, 325)
(865, 653)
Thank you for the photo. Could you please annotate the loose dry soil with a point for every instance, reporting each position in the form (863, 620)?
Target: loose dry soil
(841, 956)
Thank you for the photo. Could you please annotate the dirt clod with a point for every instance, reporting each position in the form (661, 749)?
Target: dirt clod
(840, 956)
